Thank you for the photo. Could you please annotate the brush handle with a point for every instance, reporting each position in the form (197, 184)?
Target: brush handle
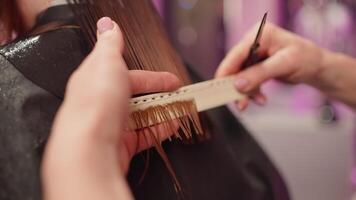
(58, 2)
(206, 95)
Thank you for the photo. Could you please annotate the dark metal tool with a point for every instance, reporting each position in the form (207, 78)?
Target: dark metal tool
(253, 57)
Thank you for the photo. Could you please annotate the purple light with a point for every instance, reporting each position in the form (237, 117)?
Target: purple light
(159, 6)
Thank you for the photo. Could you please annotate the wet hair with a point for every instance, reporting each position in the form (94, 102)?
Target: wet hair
(11, 20)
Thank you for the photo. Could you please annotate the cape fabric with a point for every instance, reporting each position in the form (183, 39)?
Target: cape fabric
(33, 75)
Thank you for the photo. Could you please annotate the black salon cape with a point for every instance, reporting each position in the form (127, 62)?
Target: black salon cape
(33, 75)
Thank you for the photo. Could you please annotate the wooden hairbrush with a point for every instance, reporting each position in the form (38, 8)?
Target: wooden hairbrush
(205, 95)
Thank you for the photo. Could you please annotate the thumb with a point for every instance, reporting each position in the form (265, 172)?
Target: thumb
(109, 36)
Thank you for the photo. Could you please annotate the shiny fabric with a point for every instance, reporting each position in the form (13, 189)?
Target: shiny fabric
(33, 75)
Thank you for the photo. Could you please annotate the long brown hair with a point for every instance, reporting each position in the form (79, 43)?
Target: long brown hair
(11, 20)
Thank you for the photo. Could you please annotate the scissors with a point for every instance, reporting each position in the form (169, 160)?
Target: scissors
(253, 57)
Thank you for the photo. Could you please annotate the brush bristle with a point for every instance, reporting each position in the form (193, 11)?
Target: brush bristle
(182, 114)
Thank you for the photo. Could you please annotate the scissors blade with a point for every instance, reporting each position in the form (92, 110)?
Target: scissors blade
(260, 31)
(253, 56)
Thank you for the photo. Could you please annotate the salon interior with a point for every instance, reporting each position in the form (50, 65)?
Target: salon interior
(310, 138)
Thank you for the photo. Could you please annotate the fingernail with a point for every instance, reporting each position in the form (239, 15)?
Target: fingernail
(105, 24)
(261, 100)
(241, 84)
(240, 107)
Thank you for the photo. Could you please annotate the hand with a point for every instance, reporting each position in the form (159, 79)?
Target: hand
(144, 82)
(89, 152)
(291, 59)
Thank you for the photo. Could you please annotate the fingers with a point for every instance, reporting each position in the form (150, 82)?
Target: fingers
(109, 36)
(235, 58)
(99, 88)
(242, 104)
(144, 139)
(258, 98)
(285, 61)
(232, 62)
(88, 127)
(250, 80)
(276, 66)
(104, 72)
(273, 40)
(143, 82)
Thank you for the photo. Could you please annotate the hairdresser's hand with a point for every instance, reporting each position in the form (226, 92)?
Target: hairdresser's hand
(291, 59)
(89, 152)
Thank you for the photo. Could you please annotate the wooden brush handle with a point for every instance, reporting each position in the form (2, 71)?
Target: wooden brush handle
(206, 95)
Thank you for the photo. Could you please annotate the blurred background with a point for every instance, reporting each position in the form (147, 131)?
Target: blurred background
(309, 137)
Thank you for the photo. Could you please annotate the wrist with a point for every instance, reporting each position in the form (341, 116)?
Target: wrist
(322, 78)
(336, 74)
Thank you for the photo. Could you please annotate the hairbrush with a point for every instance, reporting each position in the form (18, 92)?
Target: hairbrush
(197, 97)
